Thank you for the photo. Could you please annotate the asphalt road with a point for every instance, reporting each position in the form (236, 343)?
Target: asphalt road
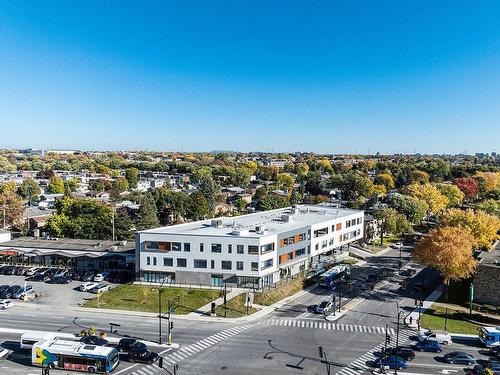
(284, 342)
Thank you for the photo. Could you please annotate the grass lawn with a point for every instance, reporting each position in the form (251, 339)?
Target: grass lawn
(235, 307)
(277, 294)
(388, 241)
(145, 298)
(434, 318)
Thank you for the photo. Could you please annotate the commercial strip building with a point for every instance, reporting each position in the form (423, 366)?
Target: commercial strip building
(77, 254)
(253, 251)
(487, 277)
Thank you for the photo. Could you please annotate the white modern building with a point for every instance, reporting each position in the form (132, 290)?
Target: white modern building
(255, 250)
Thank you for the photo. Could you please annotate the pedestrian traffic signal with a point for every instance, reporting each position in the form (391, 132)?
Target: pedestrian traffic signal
(349, 286)
(171, 325)
(320, 351)
(388, 339)
(176, 367)
(212, 308)
(160, 362)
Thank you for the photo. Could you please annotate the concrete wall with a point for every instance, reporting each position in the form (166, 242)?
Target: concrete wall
(487, 284)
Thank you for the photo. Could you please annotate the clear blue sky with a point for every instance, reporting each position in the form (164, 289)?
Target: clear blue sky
(323, 76)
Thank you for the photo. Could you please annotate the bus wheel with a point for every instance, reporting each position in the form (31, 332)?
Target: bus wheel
(91, 370)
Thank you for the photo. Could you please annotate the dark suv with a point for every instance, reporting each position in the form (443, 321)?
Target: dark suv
(405, 352)
(140, 353)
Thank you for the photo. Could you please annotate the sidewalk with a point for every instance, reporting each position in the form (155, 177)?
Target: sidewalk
(411, 319)
(205, 310)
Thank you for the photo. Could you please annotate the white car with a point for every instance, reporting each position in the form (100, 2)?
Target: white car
(101, 277)
(324, 307)
(30, 272)
(5, 304)
(442, 337)
(85, 287)
(101, 288)
(3, 352)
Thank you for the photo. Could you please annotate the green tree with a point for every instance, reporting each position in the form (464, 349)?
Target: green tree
(132, 176)
(354, 186)
(56, 185)
(124, 225)
(240, 204)
(146, 215)
(71, 185)
(390, 221)
(412, 208)
(453, 193)
(211, 190)
(29, 188)
(272, 202)
(120, 184)
(285, 181)
(198, 207)
(384, 179)
(490, 206)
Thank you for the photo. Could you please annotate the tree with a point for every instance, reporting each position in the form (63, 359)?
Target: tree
(123, 225)
(419, 177)
(56, 185)
(211, 190)
(71, 185)
(468, 185)
(13, 208)
(120, 184)
(240, 204)
(449, 250)
(314, 183)
(146, 215)
(453, 193)
(354, 186)
(132, 176)
(379, 190)
(384, 179)
(29, 188)
(285, 181)
(482, 226)
(8, 187)
(490, 206)
(390, 221)
(412, 208)
(241, 177)
(272, 202)
(198, 206)
(430, 194)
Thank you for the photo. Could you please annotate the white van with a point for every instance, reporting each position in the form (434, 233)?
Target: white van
(442, 337)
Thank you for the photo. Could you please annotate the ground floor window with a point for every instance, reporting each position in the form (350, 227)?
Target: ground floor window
(157, 277)
(216, 280)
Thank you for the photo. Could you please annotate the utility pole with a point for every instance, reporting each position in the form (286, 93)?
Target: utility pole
(113, 221)
(400, 245)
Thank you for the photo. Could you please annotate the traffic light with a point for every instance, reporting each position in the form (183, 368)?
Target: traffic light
(388, 339)
(160, 362)
(403, 284)
(176, 368)
(349, 286)
(212, 308)
(320, 351)
(171, 325)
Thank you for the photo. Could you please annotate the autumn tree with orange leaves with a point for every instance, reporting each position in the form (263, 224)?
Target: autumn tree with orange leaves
(448, 250)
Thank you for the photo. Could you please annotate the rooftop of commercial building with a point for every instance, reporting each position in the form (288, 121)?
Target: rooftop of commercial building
(258, 224)
(491, 258)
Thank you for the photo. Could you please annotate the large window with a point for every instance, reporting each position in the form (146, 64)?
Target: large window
(154, 245)
(226, 265)
(181, 262)
(267, 248)
(358, 220)
(266, 264)
(300, 252)
(253, 250)
(324, 244)
(200, 263)
(201, 247)
(168, 262)
(216, 248)
(239, 266)
(347, 223)
(212, 264)
(176, 246)
(321, 232)
(187, 246)
(154, 261)
(254, 266)
(229, 248)
(148, 261)
(240, 249)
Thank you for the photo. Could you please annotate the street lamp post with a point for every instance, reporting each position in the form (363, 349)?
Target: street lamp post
(400, 246)
(397, 334)
(159, 310)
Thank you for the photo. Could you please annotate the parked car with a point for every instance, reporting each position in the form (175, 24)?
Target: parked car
(372, 278)
(3, 288)
(405, 352)
(420, 287)
(429, 346)
(140, 353)
(5, 304)
(21, 271)
(3, 352)
(60, 273)
(88, 276)
(127, 343)
(30, 271)
(442, 337)
(324, 307)
(10, 292)
(59, 280)
(94, 340)
(39, 277)
(20, 293)
(460, 358)
(101, 276)
(85, 287)
(99, 288)
(392, 361)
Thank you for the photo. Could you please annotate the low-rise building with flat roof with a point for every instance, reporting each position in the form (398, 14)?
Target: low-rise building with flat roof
(255, 250)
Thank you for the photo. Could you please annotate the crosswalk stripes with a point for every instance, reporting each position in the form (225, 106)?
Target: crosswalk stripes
(190, 350)
(359, 365)
(327, 326)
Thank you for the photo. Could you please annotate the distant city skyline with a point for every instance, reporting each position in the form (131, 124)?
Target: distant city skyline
(329, 77)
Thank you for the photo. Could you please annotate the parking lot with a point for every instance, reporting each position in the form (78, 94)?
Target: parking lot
(50, 290)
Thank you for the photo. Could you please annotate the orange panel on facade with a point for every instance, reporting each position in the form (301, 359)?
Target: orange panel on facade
(296, 238)
(339, 226)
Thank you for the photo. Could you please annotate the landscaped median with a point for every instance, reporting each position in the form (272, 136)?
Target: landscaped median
(435, 317)
(145, 298)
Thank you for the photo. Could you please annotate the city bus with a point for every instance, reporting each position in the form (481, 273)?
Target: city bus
(330, 278)
(74, 356)
(490, 336)
(29, 338)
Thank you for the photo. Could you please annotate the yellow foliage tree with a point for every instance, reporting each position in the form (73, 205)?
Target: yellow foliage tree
(449, 250)
(492, 179)
(430, 194)
(484, 227)
(379, 189)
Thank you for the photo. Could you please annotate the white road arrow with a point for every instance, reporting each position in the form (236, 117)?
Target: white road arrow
(447, 372)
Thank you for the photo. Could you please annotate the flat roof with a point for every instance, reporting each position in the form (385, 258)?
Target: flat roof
(69, 245)
(491, 258)
(274, 221)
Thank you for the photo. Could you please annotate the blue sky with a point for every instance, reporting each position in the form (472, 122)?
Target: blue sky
(322, 76)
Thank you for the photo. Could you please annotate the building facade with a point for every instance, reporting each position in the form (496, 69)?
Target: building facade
(253, 251)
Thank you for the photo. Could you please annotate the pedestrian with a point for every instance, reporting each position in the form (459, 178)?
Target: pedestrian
(411, 320)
